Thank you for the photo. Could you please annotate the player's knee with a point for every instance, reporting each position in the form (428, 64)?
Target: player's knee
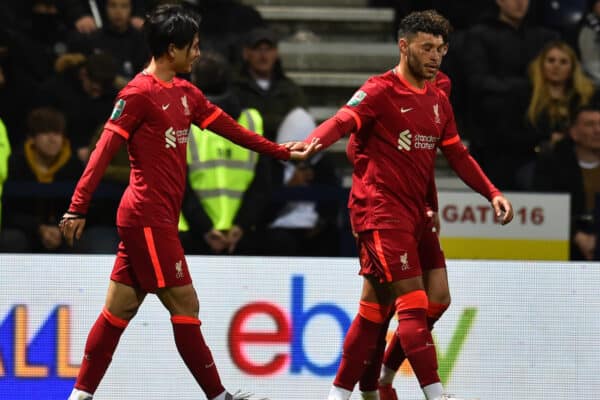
(416, 299)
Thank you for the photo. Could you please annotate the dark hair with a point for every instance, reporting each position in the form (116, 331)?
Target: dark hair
(170, 23)
(211, 73)
(102, 69)
(428, 21)
(592, 107)
(45, 119)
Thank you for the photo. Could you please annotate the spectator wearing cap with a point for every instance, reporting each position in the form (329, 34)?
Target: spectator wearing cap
(228, 186)
(45, 158)
(83, 89)
(263, 85)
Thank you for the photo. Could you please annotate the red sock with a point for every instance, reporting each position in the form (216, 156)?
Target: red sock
(196, 354)
(99, 349)
(359, 347)
(418, 345)
(369, 381)
(394, 355)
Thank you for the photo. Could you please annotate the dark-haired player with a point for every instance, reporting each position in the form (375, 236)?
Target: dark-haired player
(152, 115)
(399, 120)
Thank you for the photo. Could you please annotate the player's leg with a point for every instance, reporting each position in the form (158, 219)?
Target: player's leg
(122, 303)
(182, 303)
(369, 381)
(169, 276)
(438, 293)
(362, 338)
(435, 281)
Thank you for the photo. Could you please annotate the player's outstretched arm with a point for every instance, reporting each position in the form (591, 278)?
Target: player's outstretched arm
(503, 207)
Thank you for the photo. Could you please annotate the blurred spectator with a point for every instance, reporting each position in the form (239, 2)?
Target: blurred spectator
(563, 16)
(228, 186)
(588, 41)
(224, 25)
(462, 14)
(13, 97)
(499, 51)
(45, 158)
(573, 166)
(83, 89)
(36, 31)
(303, 228)
(262, 83)
(118, 38)
(136, 15)
(559, 87)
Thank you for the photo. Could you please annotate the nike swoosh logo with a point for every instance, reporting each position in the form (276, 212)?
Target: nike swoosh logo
(165, 106)
(404, 110)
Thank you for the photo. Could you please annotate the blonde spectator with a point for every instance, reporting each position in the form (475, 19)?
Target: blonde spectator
(559, 86)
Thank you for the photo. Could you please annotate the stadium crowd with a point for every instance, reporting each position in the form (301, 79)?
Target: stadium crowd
(525, 79)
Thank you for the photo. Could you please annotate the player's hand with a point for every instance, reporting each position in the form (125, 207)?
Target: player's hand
(216, 240)
(71, 226)
(586, 243)
(301, 150)
(50, 236)
(233, 237)
(502, 206)
(435, 220)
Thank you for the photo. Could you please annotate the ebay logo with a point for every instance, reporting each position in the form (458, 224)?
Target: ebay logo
(290, 329)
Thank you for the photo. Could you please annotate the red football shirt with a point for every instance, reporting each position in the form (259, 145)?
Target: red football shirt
(154, 118)
(399, 130)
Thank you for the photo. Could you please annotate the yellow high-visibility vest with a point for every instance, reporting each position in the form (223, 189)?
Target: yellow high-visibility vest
(220, 171)
(4, 155)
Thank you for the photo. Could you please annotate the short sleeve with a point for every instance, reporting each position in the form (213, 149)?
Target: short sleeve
(362, 106)
(131, 108)
(204, 112)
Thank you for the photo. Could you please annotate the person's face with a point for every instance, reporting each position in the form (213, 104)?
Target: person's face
(514, 10)
(586, 130)
(184, 58)
(557, 66)
(261, 58)
(118, 13)
(92, 88)
(48, 144)
(423, 53)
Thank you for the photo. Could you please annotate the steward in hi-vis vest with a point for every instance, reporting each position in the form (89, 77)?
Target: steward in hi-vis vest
(220, 172)
(228, 186)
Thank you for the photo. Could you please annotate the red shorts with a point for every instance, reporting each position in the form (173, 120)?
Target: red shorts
(431, 255)
(388, 254)
(150, 258)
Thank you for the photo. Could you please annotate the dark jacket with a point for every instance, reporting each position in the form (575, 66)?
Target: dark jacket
(274, 104)
(128, 49)
(496, 61)
(558, 171)
(84, 114)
